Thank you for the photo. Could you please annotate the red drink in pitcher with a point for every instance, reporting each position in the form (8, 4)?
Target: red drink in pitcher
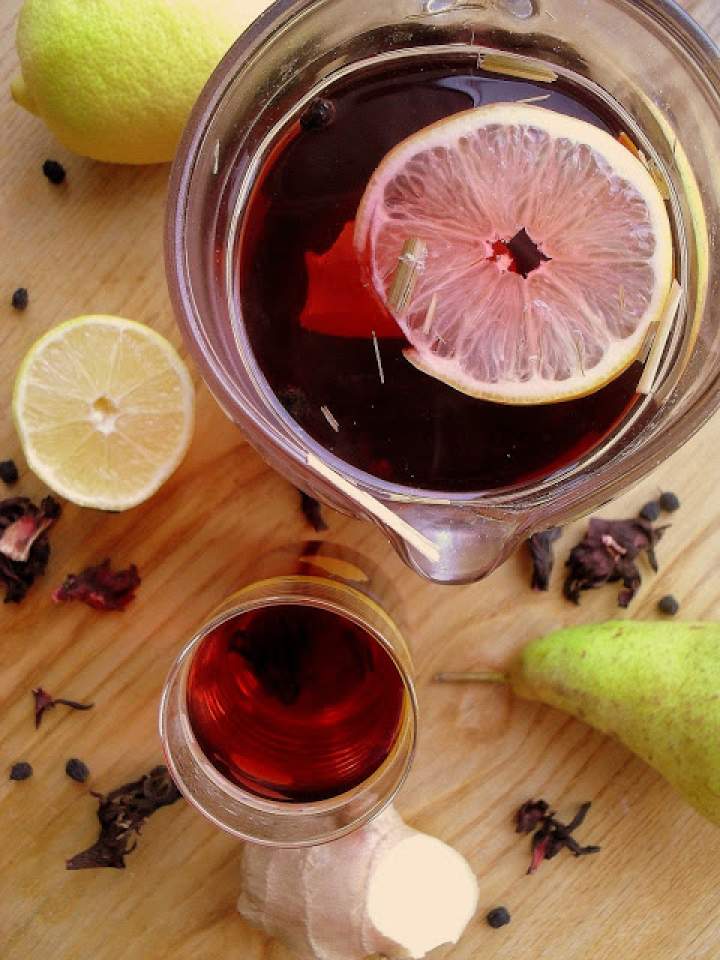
(329, 348)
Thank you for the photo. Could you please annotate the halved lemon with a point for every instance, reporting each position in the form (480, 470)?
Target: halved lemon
(104, 408)
(467, 187)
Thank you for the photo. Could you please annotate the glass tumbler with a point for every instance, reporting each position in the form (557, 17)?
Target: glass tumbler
(318, 577)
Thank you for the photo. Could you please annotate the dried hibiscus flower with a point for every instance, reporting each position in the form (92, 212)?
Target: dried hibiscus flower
(608, 553)
(550, 835)
(530, 815)
(100, 587)
(540, 546)
(122, 815)
(24, 543)
(44, 701)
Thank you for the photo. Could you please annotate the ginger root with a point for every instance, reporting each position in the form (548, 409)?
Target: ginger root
(385, 888)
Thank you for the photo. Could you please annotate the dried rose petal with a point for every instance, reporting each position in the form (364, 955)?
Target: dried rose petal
(100, 587)
(540, 546)
(607, 554)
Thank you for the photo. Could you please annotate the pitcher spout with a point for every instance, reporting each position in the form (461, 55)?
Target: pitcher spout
(472, 543)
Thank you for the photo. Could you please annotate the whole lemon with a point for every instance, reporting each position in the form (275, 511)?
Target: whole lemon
(115, 80)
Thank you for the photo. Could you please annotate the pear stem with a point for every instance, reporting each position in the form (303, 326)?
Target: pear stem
(486, 677)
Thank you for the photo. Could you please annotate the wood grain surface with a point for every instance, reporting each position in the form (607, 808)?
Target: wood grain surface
(652, 893)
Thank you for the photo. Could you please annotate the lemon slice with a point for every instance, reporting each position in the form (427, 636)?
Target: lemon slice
(104, 408)
(455, 198)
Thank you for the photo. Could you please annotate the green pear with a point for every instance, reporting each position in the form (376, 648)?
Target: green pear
(654, 686)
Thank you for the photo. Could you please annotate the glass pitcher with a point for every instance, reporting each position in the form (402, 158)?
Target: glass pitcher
(647, 55)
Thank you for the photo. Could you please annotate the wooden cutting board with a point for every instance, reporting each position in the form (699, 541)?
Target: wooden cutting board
(653, 891)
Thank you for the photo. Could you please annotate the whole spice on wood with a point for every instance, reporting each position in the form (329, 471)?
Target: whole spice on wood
(669, 502)
(312, 511)
(44, 701)
(24, 543)
(100, 587)
(499, 917)
(651, 511)
(540, 546)
(9, 472)
(20, 299)
(77, 770)
(54, 171)
(551, 836)
(607, 554)
(669, 605)
(122, 815)
(21, 771)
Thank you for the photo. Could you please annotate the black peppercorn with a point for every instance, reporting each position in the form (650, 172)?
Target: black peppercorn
(50, 507)
(651, 511)
(669, 605)
(669, 502)
(21, 771)
(319, 115)
(20, 299)
(77, 770)
(499, 917)
(54, 171)
(9, 472)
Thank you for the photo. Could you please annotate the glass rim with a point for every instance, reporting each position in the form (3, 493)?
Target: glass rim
(283, 808)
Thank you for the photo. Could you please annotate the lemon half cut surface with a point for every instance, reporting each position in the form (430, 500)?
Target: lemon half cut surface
(464, 188)
(105, 409)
